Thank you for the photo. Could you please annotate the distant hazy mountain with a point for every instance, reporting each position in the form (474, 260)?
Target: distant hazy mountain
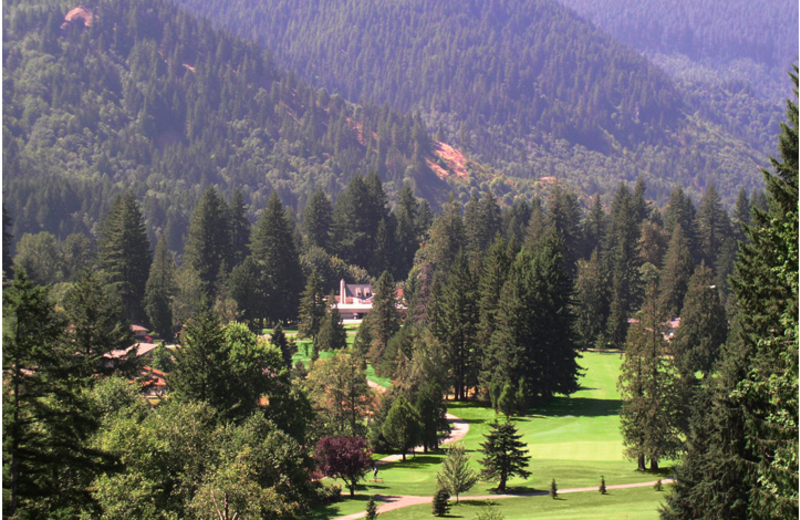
(528, 87)
(733, 55)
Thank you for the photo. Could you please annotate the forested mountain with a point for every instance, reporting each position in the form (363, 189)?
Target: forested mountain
(529, 87)
(140, 95)
(732, 61)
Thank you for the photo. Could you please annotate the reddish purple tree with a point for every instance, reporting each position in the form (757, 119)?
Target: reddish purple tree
(347, 458)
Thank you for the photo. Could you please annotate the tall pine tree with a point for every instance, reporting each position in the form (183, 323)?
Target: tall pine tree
(650, 413)
(160, 290)
(281, 277)
(208, 244)
(124, 255)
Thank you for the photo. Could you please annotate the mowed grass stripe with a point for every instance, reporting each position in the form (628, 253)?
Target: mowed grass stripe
(622, 504)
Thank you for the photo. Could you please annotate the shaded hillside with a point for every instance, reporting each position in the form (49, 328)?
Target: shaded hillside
(731, 58)
(763, 31)
(527, 87)
(139, 95)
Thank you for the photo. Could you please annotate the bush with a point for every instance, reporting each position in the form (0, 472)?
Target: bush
(440, 506)
(602, 485)
(658, 486)
(490, 513)
(553, 489)
(328, 493)
(372, 509)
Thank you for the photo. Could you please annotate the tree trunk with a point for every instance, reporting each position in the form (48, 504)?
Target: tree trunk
(641, 463)
(352, 487)
(654, 465)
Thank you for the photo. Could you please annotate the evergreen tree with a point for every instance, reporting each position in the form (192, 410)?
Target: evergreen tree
(8, 237)
(356, 217)
(433, 415)
(563, 215)
(651, 411)
(536, 225)
(553, 489)
(455, 475)
(317, 220)
(507, 402)
(741, 215)
(766, 289)
(482, 221)
(594, 227)
(713, 227)
(439, 505)
(239, 229)
(504, 455)
(383, 320)
(384, 250)
(77, 255)
(47, 423)
(402, 426)
(208, 243)
(715, 476)
(160, 290)
(621, 262)
(703, 328)
(447, 237)
(675, 274)
(312, 307)
(190, 298)
(591, 305)
(407, 234)
(372, 509)
(273, 248)
(202, 365)
(279, 341)
(124, 254)
(456, 326)
(494, 272)
(332, 335)
(244, 288)
(680, 210)
(534, 337)
(96, 332)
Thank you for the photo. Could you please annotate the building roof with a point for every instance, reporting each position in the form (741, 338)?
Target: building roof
(358, 290)
(141, 350)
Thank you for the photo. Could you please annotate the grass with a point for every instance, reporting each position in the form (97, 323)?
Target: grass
(619, 504)
(303, 354)
(573, 439)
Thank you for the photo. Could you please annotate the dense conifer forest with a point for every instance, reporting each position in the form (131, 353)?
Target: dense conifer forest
(731, 74)
(142, 96)
(528, 87)
(180, 211)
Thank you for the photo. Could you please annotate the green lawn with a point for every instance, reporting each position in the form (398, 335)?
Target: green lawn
(304, 352)
(573, 439)
(619, 504)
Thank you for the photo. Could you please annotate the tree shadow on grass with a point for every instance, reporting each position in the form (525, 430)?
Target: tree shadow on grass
(578, 407)
(415, 462)
(330, 510)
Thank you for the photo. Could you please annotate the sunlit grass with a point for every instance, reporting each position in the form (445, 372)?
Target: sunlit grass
(574, 440)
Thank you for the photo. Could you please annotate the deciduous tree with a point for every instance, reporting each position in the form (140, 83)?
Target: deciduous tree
(455, 475)
(347, 458)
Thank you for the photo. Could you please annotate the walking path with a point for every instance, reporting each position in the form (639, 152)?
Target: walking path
(392, 502)
(460, 429)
